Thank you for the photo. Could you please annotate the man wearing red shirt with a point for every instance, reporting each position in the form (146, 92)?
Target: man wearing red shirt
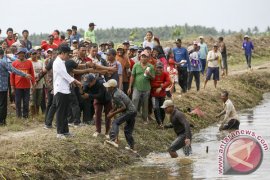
(56, 39)
(10, 40)
(49, 44)
(158, 86)
(21, 85)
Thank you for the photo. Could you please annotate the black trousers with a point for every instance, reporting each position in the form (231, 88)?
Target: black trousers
(22, 95)
(129, 118)
(62, 103)
(183, 78)
(3, 107)
(196, 75)
(158, 111)
(125, 87)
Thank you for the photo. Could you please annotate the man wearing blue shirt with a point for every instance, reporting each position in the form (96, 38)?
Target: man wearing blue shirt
(5, 68)
(203, 53)
(74, 35)
(181, 58)
(248, 47)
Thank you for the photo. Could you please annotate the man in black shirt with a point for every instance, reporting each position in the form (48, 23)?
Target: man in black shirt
(181, 127)
(93, 89)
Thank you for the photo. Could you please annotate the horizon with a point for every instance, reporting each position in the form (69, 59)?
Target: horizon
(234, 15)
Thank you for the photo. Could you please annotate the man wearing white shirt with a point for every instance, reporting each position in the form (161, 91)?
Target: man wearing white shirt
(61, 85)
(230, 121)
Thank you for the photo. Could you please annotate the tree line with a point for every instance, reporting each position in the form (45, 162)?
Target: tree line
(165, 33)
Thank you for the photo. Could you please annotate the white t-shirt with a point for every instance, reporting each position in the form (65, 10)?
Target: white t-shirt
(211, 58)
(148, 44)
(38, 67)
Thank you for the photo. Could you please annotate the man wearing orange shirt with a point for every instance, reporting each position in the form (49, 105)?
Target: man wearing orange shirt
(122, 58)
(21, 85)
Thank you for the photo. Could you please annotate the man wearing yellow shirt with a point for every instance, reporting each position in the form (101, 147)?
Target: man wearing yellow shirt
(213, 60)
(89, 35)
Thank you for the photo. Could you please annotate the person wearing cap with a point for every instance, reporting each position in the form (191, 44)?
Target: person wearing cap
(126, 44)
(203, 53)
(93, 89)
(49, 44)
(223, 51)
(36, 93)
(230, 121)
(181, 126)
(5, 68)
(20, 85)
(112, 62)
(248, 47)
(102, 50)
(61, 86)
(110, 45)
(123, 59)
(90, 33)
(214, 60)
(181, 58)
(158, 92)
(148, 40)
(195, 66)
(121, 104)
(171, 69)
(74, 35)
(140, 81)
(25, 43)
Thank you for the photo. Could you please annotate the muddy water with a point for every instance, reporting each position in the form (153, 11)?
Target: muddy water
(202, 165)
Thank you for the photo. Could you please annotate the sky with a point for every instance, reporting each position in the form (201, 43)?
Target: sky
(46, 15)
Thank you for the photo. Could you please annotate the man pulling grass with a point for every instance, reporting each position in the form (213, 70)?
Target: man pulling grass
(121, 104)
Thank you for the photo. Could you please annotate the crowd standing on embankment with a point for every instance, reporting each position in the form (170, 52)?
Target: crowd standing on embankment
(74, 78)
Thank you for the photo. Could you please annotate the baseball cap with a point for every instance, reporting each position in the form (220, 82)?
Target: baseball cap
(23, 50)
(134, 47)
(215, 45)
(167, 103)
(121, 46)
(32, 51)
(110, 83)
(140, 49)
(88, 78)
(159, 65)
(92, 24)
(126, 42)
(178, 40)
(201, 37)
(37, 48)
(144, 52)
(50, 49)
(195, 43)
(246, 36)
(74, 41)
(111, 51)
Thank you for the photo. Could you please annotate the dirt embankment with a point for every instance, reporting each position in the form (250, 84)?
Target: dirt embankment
(37, 154)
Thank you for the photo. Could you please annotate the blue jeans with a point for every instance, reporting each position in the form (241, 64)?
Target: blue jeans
(129, 118)
(203, 61)
(22, 95)
(248, 59)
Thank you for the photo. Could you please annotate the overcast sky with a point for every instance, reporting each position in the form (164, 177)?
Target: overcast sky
(46, 15)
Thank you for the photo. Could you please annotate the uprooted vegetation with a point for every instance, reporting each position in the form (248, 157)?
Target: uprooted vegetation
(39, 155)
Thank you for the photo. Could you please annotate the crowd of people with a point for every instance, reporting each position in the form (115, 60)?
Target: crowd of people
(77, 80)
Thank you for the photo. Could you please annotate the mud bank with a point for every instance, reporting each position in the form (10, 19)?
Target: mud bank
(42, 156)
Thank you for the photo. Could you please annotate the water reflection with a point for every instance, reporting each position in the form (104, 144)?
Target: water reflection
(202, 164)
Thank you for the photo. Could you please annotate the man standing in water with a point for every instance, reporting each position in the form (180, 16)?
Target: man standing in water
(230, 121)
(181, 127)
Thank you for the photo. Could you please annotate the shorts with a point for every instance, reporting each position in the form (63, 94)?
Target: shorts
(214, 71)
(232, 124)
